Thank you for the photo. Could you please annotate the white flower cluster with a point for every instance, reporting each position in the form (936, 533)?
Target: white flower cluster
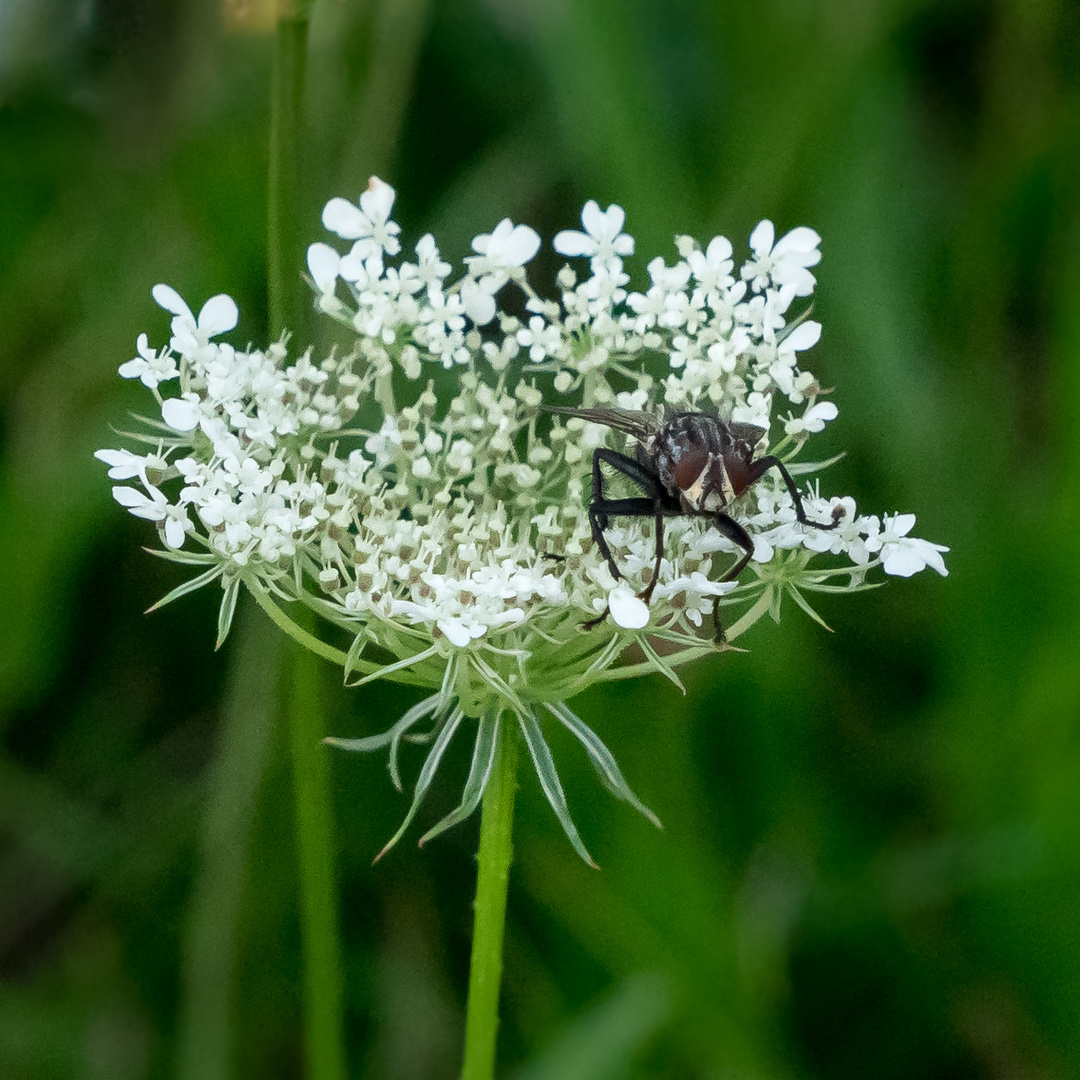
(447, 530)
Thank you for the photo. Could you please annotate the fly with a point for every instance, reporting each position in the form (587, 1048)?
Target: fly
(691, 464)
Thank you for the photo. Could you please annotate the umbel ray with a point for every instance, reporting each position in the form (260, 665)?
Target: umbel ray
(689, 464)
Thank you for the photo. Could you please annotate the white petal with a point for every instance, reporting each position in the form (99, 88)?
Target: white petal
(345, 218)
(719, 250)
(627, 610)
(168, 298)
(763, 550)
(815, 418)
(129, 497)
(902, 561)
(123, 465)
(455, 632)
(479, 303)
(507, 618)
(174, 532)
(902, 524)
(523, 244)
(932, 554)
(219, 314)
(593, 218)
(483, 242)
(805, 336)
(323, 262)
(570, 242)
(613, 220)
(802, 241)
(912, 555)
(378, 200)
(179, 414)
(761, 239)
(352, 267)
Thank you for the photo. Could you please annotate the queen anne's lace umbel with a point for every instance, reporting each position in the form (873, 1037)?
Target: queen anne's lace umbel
(414, 494)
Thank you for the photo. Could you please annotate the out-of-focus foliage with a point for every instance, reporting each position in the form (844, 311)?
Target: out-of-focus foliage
(872, 849)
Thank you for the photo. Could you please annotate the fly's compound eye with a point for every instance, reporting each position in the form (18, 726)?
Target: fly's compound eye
(689, 467)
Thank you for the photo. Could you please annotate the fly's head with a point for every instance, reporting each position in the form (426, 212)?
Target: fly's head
(704, 461)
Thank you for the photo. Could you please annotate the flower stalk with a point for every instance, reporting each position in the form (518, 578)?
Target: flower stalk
(322, 970)
(489, 922)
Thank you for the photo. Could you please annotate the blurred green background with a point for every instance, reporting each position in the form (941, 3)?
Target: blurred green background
(871, 863)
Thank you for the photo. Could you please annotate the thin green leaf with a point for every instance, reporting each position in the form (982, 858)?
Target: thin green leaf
(260, 590)
(352, 658)
(383, 672)
(801, 468)
(549, 781)
(801, 601)
(171, 438)
(377, 742)
(227, 611)
(602, 758)
(188, 587)
(441, 708)
(595, 670)
(612, 649)
(810, 586)
(634, 671)
(185, 558)
(167, 438)
(427, 774)
(776, 595)
(751, 615)
(479, 772)
(449, 681)
(658, 663)
(496, 682)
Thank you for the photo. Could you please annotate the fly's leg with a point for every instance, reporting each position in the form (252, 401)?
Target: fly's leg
(737, 535)
(762, 466)
(599, 511)
(655, 503)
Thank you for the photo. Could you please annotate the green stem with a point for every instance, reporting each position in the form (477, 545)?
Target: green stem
(284, 254)
(489, 920)
(323, 982)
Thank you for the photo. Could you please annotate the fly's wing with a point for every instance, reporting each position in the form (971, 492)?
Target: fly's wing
(642, 426)
(750, 434)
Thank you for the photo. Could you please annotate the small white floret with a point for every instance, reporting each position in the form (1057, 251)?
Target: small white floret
(508, 245)
(603, 238)
(903, 555)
